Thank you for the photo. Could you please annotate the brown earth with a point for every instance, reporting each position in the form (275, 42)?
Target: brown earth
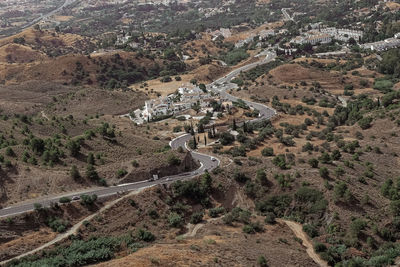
(28, 231)
(216, 244)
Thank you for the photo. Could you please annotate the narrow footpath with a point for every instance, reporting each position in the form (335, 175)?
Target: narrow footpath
(298, 231)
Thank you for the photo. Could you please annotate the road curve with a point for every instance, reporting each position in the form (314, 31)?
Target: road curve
(206, 162)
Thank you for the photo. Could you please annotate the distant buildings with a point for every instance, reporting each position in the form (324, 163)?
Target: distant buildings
(312, 39)
(318, 34)
(248, 40)
(224, 32)
(122, 39)
(384, 45)
(183, 100)
(342, 34)
(266, 33)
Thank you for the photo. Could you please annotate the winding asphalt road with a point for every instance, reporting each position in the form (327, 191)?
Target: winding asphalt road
(206, 162)
(51, 13)
(224, 84)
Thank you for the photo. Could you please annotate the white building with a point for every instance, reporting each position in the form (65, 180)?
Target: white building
(342, 34)
(241, 43)
(312, 39)
(174, 103)
(384, 45)
(266, 33)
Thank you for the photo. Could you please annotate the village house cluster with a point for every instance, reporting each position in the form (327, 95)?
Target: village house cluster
(384, 45)
(174, 104)
(322, 35)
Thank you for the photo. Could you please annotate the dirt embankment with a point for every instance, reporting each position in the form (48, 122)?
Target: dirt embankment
(26, 232)
(216, 244)
(187, 164)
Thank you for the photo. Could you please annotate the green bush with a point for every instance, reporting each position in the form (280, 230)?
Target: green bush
(270, 218)
(10, 152)
(215, 212)
(226, 138)
(175, 220)
(310, 230)
(357, 226)
(121, 173)
(267, 152)
(248, 229)
(240, 177)
(313, 162)
(91, 173)
(145, 235)
(173, 160)
(383, 85)
(324, 172)
(65, 200)
(365, 123)
(235, 56)
(74, 172)
(196, 217)
(57, 224)
(319, 247)
(88, 200)
(262, 262)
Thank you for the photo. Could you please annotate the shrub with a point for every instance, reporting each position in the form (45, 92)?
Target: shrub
(319, 247)
(336, 155)
(262, 262)
(145, 235)
(121, 173)
(153, 214)
(175, 220)
(249, 229)
(280, 161)
(240, 177)
(65, 200)
(226, 138)
(215, 212)
(357, 226)
(135, 163)
(365, 123)
(90, 159)
(74, 147)
(74, 172)
(88, 200)
(173, 160)
(395, 207)
(91, 173)
(267, 152)
(57, 224)
(10, 152)
(37, 206)
(325, 158)
(324, 172)
(196, 217)
(270, 218)
(310, 230)
(261, 177)
(313, 163)
(177, 129)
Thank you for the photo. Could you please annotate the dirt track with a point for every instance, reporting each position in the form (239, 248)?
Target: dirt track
(298, 231)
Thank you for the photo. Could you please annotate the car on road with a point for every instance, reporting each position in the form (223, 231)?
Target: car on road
(76, 198)
(213, 159)
(168, 179)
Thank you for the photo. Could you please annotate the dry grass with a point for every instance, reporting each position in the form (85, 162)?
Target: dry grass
(156, 86)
